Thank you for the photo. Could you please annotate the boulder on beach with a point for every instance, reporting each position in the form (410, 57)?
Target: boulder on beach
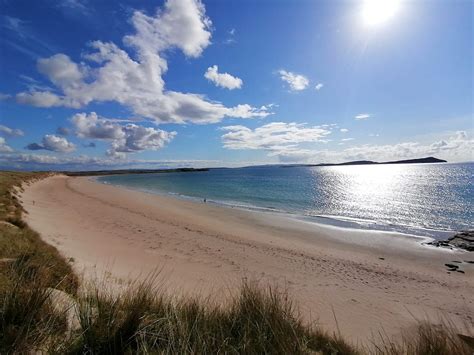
(463, 240)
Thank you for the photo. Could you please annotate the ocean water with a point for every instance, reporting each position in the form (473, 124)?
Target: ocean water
(423, 199)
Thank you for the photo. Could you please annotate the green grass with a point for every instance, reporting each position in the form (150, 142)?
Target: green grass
(21, 248)
(259, 319)
(256, 321)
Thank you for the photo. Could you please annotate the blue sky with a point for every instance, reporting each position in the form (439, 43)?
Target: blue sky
(90, 84)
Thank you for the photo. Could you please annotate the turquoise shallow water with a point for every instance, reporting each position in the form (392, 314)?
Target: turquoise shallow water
(431, 199)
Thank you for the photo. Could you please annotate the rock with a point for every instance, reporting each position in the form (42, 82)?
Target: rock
(452, 266)
(463, 240)
(462, 272)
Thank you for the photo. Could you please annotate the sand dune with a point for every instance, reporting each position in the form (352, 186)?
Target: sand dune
(368, 280)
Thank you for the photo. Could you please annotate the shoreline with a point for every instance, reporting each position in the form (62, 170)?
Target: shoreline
(338, 225)
(369, 281)
(349, 223)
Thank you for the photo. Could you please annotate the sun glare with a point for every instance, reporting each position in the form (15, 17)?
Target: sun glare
(376, 12)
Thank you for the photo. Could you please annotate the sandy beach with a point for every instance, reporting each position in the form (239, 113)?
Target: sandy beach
(367, 280)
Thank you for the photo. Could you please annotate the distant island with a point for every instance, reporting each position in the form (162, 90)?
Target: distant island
(369, 162)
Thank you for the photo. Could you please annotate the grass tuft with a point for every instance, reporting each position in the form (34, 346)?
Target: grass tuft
(258, 320)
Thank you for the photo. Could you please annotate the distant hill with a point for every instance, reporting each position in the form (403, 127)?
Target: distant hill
(185, 170)
(369, 162)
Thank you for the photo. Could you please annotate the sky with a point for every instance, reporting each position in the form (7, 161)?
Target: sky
(150, 84)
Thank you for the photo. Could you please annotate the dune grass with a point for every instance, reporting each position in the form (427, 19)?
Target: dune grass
(259, 319)
(21, 248)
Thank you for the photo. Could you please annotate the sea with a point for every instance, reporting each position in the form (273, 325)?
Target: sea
(431, 200)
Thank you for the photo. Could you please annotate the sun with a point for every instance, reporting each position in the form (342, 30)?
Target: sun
(377, 12)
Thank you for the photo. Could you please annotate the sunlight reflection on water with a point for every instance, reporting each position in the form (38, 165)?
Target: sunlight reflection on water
(436, 197)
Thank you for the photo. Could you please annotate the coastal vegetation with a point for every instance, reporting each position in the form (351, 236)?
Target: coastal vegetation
(44, 308)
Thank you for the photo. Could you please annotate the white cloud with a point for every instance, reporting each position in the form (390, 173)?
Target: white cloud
(247, 111)
(40, 99)
(46, 161)
(224, 80)
(93, 127)
(137, 83)
(129, 138)
(53, 143)
(362, 116)
(455, 147)
(4, 147)
(297, 82)
(344, 130)
(60, 70)
(347, 139)
(319, 86)
(182, 24)
(26, 159)
(138, 138)
(11, 132)
(275, 137)
(75, 5)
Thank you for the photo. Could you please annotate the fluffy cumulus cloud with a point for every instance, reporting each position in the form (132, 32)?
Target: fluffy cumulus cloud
(224, 80)
(10, 132)
(53, 143)
(109, 73)
(278, 138)
(344, 130)
(296, 82)
(319, 86)
(128, 138)
(92, 127)
(362, 116)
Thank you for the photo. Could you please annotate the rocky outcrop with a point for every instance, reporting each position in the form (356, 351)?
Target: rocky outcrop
(463, 240)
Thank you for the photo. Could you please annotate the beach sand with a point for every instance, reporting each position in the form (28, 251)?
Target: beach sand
(367, 280)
